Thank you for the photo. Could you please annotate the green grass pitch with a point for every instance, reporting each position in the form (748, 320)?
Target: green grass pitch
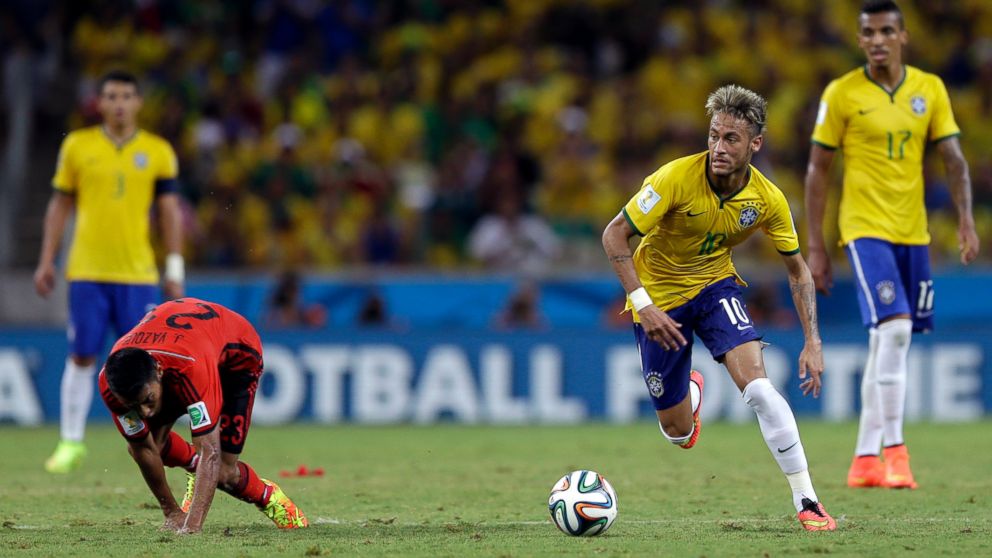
(482, 491)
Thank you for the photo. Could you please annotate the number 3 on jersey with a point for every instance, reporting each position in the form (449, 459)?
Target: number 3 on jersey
(736, 313)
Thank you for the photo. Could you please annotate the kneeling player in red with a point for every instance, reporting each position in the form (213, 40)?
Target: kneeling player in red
(192, 357)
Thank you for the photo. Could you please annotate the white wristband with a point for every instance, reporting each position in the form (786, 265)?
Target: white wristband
(175, 268)
(640, 299)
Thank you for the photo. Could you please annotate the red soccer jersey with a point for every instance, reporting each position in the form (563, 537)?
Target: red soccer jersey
(205, 351)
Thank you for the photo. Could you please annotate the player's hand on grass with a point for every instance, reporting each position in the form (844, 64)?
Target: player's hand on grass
(174, 521)
(44, 279)
(661, 328)
(968, 242)
(811, 367)
(819, 268)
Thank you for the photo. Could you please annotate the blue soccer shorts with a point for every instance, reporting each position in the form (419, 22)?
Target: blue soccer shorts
(892, 279)
(718, 316)
(94, 307)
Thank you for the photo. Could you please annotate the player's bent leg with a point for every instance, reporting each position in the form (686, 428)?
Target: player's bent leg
(677, 422)
(239, 480)
(696, 401)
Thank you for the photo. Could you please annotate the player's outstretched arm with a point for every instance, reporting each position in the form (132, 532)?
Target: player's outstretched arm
(957, 172)
(820, 159)
(146, 454)
(56, 215)
(657, 324)
(171, 218)
(804, 297)
(207, 473)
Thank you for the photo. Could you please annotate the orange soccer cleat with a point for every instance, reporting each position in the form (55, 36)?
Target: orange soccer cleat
(897, 471)
(696, 378)
(814, 518)
(866, 471)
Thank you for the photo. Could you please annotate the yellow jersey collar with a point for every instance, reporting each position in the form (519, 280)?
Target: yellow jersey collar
(123, 144)
(892, 95)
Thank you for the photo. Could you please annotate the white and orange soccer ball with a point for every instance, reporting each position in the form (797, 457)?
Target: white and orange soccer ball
(583, 504)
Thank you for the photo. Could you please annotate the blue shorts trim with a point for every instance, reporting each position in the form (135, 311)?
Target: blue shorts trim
(718, 316)
(892, 279)
(96, 307)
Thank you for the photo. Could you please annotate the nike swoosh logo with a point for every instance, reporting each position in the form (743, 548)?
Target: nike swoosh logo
(780, 450)
(863, 112)
(691, 214)
(742, 328)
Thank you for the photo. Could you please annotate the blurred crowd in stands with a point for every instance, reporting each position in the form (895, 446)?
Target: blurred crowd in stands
(502, 135)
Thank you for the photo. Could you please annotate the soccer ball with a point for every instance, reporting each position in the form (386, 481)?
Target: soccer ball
(583, 504)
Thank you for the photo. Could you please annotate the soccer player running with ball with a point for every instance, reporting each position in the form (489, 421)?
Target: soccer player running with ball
(680, 280)
(882, 116)
(110, 175)
(198, 358)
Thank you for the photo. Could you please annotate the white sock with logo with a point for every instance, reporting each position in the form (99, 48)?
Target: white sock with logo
(891, 368)
(76, 394)
(870, 425)
(778, 427)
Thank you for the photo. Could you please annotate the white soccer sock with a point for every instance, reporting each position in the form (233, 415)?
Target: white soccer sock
(77, 394)
(802, 487)
(891, 368)
(870, 426)
(679, 440)
(778, 426)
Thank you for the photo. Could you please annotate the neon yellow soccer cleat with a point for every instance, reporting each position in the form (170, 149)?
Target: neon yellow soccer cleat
(68, 457)
(282, 511)
(188, 497)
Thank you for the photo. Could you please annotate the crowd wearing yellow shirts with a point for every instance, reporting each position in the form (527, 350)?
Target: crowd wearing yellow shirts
(323, 135)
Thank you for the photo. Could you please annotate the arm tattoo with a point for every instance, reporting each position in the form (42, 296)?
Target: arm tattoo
(804, 297)
(620, 258)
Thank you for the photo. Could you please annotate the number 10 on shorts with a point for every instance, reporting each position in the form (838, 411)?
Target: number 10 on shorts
(735, 312)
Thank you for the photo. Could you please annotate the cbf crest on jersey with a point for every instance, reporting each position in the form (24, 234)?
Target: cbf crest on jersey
(918, 104)
(141, 160)
(749, 216)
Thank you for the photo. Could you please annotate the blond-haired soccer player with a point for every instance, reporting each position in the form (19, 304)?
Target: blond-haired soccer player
(681, 281)
(882, 116)
(110, 174)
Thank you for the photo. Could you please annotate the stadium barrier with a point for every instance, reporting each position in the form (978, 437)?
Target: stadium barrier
(554, 376)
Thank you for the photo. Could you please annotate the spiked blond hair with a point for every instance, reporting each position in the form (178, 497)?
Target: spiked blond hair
(739, 102)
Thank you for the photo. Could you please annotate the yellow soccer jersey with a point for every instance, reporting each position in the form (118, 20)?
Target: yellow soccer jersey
(883, 137)
(114, 189)
(689, 231)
